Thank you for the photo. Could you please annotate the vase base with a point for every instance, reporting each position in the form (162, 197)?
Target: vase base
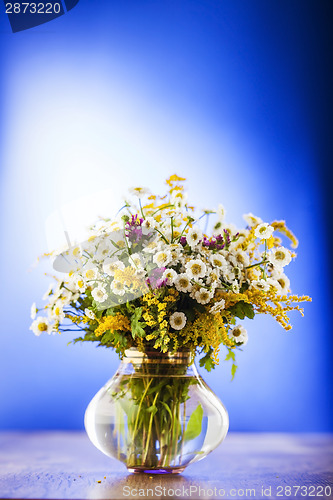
(157, 470)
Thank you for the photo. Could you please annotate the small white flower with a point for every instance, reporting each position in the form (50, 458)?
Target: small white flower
(239, 258)
(178, 199)
(239, 335)
(261, 284)
(218, 227)
(135, 261)
(218, 260)
(90, 273)
(140, 192)
(176, 250)
(110, 266)
(178, 320)
(151, 247)
(183, 283)
(170, 275)
(263, 231)
(279, 257)
(162, 258)
(193, 236)
(221, 212)
(90, 314)
(40, 325)
(252, 220)
(195, 269)
(117, 287)
(281, 282)
(48, 292)
(99, 294)
(217, 307)
(104, 249)
(33, 311)
(57, 311)
(203, 296)
(149, 223)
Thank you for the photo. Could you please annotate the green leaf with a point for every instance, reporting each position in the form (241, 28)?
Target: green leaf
(194, 424)
(233, 371)
(207, 361)
(152, 409)
(136, 325)
(242, 309)
(230, 355)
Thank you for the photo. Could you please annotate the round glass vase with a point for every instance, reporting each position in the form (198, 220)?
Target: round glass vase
(156, 414)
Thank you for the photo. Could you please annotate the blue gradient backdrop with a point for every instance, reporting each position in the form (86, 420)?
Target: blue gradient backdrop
(234, 95)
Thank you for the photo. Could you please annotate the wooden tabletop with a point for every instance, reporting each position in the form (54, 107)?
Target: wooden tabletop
(65, 465)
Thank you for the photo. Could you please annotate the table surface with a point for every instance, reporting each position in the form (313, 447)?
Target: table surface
(65, 465)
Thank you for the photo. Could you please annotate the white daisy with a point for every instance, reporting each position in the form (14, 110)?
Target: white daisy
(176, 250)
(217, 307)
(33, 311)
(239, 335)
(239, 258)
(170, 275)
(203, 296)
(178, 199)
(218, 227)
(263, 231)
(104, 249)
(139, 191)
(117, 287)
(279, 257)
(99, 294)
(90, 314)
(261, 284)
(193, 236)
(162, 258)
(252, 220)
(41, 325)
(90, 272)
(281, 282)
(183, 283)
(152, 246)
(57, 311)
(178, 320)
(149, 223)
(135, 261)
(221, 212)
(110, 266)
(195, 269)
(218, 260)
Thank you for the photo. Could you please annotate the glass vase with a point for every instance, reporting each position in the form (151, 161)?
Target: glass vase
(156, 414)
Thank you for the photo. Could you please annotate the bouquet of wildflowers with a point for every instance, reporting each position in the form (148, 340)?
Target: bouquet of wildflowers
(153, 279)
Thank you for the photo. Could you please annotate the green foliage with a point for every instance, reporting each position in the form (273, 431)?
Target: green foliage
(136, 325)
(242, 309)
(207, 361)
(194, 425)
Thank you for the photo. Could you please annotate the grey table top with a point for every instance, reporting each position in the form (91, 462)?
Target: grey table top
(65, 465)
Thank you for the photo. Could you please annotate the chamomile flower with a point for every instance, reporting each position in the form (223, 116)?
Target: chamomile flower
(239, 335)
(195, 269)
(263, 231)
(218, 260)
(261, 284)
(162, 258)
(170, 275)
(152, 247)
(281, 282)
(33, 311)
(239, 258)
(110, 266)
(89, 313)
(99, 294)
(252, 220)
(90, 272)
(177, 320)
(117, 287)
(149, 223)
(279, 257)
(183, 283)
(217, 307)
(220, 212)
(41, 325)
(139, 191)
(135, 261)
(57, 311)
(178, 199)
(203, 296)
(193, 236)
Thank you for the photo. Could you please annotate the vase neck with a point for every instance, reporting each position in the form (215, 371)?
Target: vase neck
(154, 362)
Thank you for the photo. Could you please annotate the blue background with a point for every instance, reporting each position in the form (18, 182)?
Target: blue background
(234, 95)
